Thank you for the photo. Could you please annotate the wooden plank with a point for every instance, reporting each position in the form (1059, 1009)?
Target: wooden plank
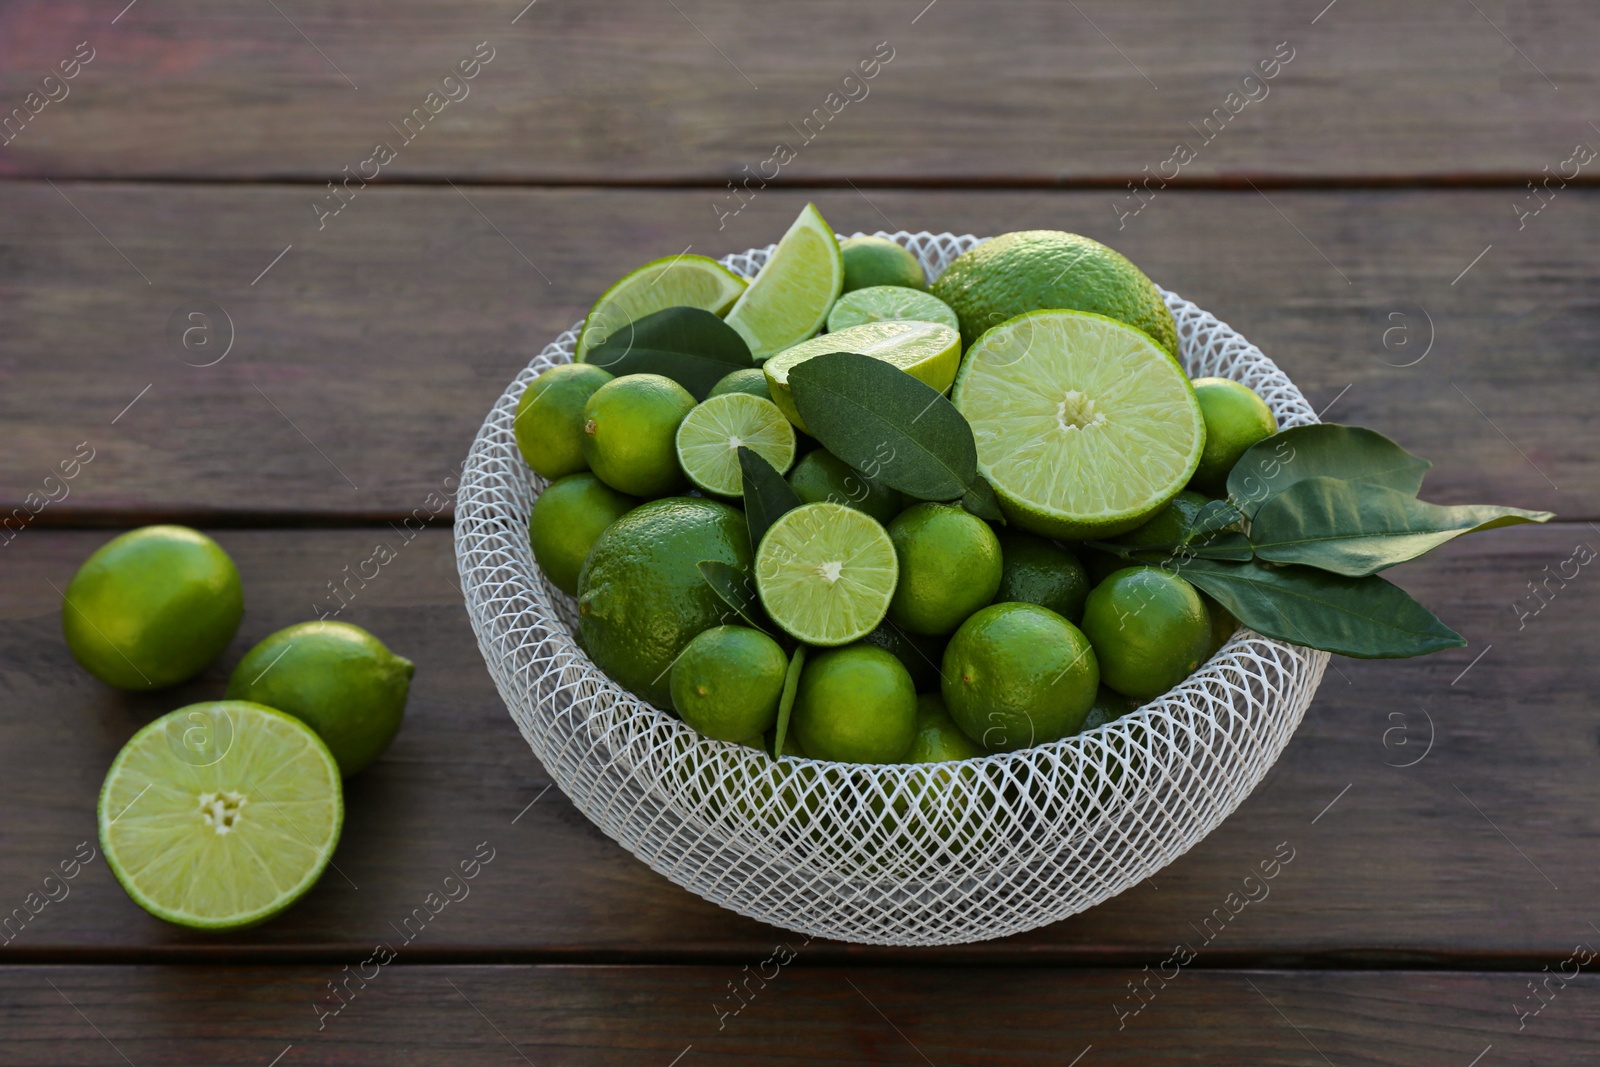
(365, 355)
(1453, 860)
(640, 91)
(800, 1014)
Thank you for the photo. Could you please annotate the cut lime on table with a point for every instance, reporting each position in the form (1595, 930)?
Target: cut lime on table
(889, 303)
(928, 351)
(220, 815)
(710, 435)
(1084, 426)
(826, 573)
(676, 281)
(790, 297)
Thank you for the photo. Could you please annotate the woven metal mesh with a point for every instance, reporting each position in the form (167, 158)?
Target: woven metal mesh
(893, 855)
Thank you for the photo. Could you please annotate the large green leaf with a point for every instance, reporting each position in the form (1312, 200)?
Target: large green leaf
(1367, 618)
(1326, 450)
(1358, 528)
(689, 345)
(881, 420)
(766, 494)
(980, 499)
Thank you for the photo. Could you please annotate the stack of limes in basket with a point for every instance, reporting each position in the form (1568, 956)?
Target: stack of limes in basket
(837, 512)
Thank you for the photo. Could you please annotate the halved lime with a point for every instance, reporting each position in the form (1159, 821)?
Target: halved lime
(928, 351)
(790, 297)
(826, 573)
(220, 815)
(1084, 426)
(710, 435)
(676, 281)
(889, 303)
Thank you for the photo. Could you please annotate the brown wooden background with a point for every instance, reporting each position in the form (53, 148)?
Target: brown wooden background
(1364, 212)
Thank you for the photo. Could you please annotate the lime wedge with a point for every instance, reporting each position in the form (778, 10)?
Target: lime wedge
(826, 573)
(928, 351)
(220, 815)
(676, 281)
(710, 435)
(889, 303)
(790, 298)
(1084, 427)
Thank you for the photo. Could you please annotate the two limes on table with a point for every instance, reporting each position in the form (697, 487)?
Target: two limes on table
(220, 814)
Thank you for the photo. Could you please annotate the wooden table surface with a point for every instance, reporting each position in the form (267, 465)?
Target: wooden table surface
(1364, 215)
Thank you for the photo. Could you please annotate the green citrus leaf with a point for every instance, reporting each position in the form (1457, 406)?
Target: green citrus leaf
(737, 590)
(881, 420)
(1357, 528)
(1326, 450)
(689, 345)
(1367, 618)
(791, 684)
(766, 494)
(981, 501)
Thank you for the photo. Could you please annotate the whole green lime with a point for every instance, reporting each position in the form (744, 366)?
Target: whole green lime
(939, 739)
(1169, 526)
(727, 682)
(820, 476)
(337, 679)
(152, 607)
(630, 429)
(1236, 418)
(1223, 624)
(1018, 675)
(565, 522)
(870, 261)
(752, 380)
(1149, 629)
(950, 566)
(641, 597)
(1033, 270)
(1036, 571)
(1109, 705)
(919, 653)
(855, 705)
(549, 422)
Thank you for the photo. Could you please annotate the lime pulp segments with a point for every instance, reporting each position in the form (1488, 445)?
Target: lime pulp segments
(826, 573)
(1084, 426)
(676, 281)
(790, 297)
(889, 303)
(709, 438)
(220, 815)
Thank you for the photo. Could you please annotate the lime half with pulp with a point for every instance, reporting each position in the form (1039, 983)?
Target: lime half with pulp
(826, 573)
(676, 281)
(220, 815)
(790, 298)
(928, 351)
(709, 438)
(889, 303)
(1084, 426)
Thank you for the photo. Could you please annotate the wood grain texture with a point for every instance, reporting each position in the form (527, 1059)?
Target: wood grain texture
(805, 1014)
(1392, 865)
(642, 91)
(365, 355)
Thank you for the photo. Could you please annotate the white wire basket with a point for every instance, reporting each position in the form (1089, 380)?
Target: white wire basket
(890, 855)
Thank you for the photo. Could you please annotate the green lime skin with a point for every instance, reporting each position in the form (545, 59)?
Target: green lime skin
(919, 653)
(1033, 270)
(822, 477)
(630, 429)
(549, 422)
(641, 597)
(1223, 624)
(1236, 418)
(1108, 706)
(855, 705)
(1168, 526)
(1018, 675)
(728, 681)
(870, 261)
(334, 677)
(939, 739)
(1036, 571)
(750, 380)
(151, 607)
(566, 520)
(1149, 628)
(950, 566)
